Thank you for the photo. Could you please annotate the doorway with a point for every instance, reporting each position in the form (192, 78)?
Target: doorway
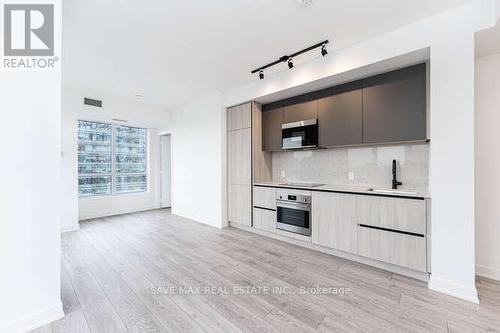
(166, 170)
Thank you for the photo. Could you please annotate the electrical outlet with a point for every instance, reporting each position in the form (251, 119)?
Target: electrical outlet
(351, 175)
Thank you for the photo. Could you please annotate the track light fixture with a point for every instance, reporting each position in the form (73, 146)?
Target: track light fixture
(289, 58)
(324, 52)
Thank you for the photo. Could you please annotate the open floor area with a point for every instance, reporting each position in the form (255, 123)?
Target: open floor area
(156, 272)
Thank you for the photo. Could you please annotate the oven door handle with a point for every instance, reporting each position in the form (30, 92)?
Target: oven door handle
(296, 206)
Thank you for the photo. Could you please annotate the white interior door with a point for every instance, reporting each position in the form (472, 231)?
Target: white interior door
(166, 165)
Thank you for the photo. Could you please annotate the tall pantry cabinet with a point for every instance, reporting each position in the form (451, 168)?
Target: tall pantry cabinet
(239, 164)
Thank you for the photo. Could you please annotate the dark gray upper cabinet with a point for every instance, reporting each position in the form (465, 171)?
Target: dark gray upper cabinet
(340, 115)
(394, 106)
(299, 108)
(272, 119)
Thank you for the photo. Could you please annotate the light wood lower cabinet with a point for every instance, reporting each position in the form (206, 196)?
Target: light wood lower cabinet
(264, 219)
(395, 248)
(355, 223)
(264, 197)
(333, 221)
(393, 213)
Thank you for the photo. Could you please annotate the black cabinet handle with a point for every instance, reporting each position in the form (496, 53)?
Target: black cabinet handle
(391, 230)
(258, 207)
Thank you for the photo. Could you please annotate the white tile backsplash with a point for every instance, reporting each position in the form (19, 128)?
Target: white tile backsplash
(370, 166)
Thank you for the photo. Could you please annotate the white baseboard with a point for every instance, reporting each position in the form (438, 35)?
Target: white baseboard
(468, 293)
(488, 272)
(69, 228)
(117, 212)
(35, 320)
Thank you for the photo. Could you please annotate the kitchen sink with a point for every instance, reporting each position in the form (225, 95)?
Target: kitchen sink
(375, 190)
(301, 184)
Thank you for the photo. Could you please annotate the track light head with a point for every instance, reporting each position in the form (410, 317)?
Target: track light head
(290, 63)
(324, 52)
(261, 74)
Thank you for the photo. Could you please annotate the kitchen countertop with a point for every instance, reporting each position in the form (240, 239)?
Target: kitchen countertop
(355, 189)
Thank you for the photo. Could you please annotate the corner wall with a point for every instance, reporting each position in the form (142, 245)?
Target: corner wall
(137, 114)
(487, 166)
(198, 160)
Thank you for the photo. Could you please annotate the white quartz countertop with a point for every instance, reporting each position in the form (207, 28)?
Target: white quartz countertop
(343, 188)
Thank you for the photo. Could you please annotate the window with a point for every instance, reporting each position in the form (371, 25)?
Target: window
(130, 159)
(94, 158)
(111, 159)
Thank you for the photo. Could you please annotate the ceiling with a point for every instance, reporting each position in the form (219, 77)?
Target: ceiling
(172, 52)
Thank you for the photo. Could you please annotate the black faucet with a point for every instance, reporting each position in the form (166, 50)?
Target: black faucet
(395, 182)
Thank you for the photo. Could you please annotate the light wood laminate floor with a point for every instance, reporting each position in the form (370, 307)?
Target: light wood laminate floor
(124, 273)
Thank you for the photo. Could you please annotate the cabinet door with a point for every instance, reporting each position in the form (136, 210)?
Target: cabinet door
(264, 197)
(340, 115)
(395, 248)
(239, 117)
(239, 157)
(272, 119)
(333, 223)
(300, 108)
(239, 204)
(408, 215)
(394, 106)
(264, 219)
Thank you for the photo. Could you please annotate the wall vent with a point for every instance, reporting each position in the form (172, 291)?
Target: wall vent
(92, 102)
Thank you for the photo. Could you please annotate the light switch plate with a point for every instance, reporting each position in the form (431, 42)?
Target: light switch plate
(351, 175)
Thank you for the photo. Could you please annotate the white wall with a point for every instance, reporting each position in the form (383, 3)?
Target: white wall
(30, 146)
(166, 171)
(137, 114)
(69, 166)
(450, 38)
(488, 166)
(198, 162)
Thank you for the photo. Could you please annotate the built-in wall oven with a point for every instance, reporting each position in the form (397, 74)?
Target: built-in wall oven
(300, 134)
(293, 212)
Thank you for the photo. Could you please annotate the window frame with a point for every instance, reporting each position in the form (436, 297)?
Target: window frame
(113, 162)
(114, 173)
(90, 175)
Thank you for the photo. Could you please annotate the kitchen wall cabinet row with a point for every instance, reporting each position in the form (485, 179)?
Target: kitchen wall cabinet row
(385, 108)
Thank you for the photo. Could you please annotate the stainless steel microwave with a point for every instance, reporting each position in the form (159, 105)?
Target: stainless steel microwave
(300, 134)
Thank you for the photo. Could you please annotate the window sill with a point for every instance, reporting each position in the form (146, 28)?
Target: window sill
(105, 196)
